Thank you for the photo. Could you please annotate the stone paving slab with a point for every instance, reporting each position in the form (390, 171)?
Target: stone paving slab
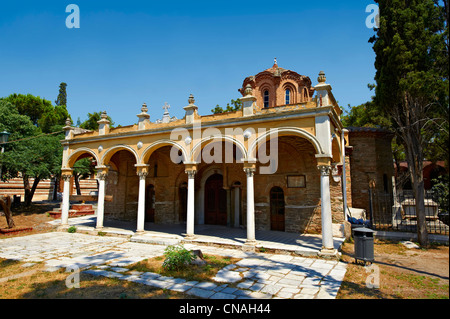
(256, 275)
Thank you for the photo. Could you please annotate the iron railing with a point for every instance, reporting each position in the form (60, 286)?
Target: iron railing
(398, 213)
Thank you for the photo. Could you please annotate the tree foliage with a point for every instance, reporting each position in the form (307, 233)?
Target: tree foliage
(411, 47)
(40, 111)
(30, 153)
(62, 95)
(91, 122)
(235, 105)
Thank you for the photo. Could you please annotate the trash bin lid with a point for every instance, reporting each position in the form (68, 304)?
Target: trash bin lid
(363, 230)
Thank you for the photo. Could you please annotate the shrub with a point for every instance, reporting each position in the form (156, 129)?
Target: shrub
(72, 229)
(177, 257)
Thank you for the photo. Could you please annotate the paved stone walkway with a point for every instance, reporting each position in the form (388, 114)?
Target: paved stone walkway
(256, 275)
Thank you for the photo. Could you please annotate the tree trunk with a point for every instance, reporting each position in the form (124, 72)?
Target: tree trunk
(29, 191)
(415, 164)
(26, 189)
(5, 202)
(76, 178)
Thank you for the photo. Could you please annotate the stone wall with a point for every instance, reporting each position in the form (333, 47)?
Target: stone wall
(371, 164)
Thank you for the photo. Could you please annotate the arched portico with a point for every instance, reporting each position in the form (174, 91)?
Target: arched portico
(78, 154)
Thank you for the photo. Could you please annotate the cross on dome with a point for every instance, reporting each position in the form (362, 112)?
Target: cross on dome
(166, 107)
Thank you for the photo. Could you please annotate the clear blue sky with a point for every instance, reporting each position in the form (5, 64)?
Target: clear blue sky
(129, 52)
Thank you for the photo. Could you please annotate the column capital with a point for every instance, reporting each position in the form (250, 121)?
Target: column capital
(190, 173)
(66, 174)
(66, 177)
(142, 170)
(249, 171)
(324, 170)
(142, 174)
(102, 175)
(190, 169)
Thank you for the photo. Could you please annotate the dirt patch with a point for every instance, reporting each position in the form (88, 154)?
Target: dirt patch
(34, 216)
(401, 273)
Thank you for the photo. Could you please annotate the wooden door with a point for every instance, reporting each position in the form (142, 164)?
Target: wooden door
(150, 204)
(277, 209)
(215, 201)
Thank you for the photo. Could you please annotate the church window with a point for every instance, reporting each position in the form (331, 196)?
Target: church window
(288, 96)
(266, 98)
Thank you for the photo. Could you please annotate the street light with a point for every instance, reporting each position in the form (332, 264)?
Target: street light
(4, 138)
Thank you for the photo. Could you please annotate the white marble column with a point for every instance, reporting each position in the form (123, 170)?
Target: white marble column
(101, 199)
(327, 231)
(250, 206)
(65, 200)
(141, 202)
(190, 204)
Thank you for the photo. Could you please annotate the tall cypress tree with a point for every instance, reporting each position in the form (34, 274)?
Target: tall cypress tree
(62, 96)
(411, 47)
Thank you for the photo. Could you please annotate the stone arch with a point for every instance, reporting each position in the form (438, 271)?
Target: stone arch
(111, 151)
(196, 150)
(293, 92)
(149, 150)
(268, 86)
(284, 131)
(305, 94)
(78, 154)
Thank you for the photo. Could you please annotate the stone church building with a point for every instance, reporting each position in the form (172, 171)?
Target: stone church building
(280, 163)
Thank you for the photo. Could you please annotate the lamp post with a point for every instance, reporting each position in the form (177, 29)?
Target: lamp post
(3, 140)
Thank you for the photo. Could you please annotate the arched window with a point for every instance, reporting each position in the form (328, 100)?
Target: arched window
(288, 96)
(266, 98)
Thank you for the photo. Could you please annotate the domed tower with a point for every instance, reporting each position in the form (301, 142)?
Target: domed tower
(277, 87)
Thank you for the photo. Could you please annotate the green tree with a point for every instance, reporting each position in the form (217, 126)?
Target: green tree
(62, 96)
(29, 153)
(368, 115)
(235, 105)
(411, 48)
(91, 122)
(82, 169)
(29, 105)
(40, 111)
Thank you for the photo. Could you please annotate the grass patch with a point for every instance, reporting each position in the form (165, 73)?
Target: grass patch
(192, 272)
(52, 285)
(397, 279)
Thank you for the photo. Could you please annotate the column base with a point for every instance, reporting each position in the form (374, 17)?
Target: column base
(189, 237)
(249, 246)
(139, 232)
(329, 253)
(250, 242)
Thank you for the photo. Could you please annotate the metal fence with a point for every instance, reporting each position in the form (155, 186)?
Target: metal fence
(398, 213)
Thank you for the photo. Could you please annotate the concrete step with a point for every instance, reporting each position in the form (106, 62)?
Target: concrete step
(157, 239)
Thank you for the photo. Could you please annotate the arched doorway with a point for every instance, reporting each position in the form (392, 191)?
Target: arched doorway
(150, 204)
(277, 208)
(182, 193)
(215, 201)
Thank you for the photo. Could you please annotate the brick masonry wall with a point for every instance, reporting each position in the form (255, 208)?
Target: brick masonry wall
(45, 188)
(371, 159)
